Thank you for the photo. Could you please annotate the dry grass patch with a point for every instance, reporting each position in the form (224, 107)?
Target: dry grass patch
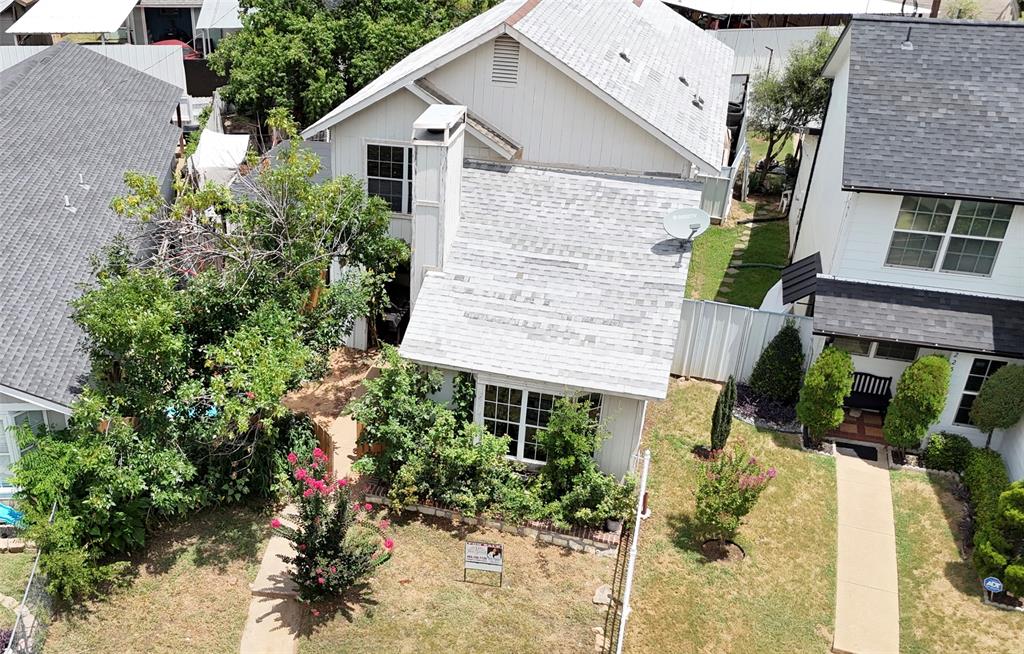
(940, 595)
(781, 597)
(418, 602)
(189, 593)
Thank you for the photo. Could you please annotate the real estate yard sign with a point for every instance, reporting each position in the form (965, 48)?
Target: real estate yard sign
(489, 557)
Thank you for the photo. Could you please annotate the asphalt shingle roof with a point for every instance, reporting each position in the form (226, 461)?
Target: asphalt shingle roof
(953, 321)
(588, 37)
(70, 118)
(558, 277)
(945, 118)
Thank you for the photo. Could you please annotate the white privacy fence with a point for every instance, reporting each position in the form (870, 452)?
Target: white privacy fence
(717, 340)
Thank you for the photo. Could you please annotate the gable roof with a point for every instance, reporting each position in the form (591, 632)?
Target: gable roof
(945, 118)
(70, 118)
(584, 40)
(535, 288)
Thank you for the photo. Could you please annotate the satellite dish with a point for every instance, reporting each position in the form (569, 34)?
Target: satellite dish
(687, 224)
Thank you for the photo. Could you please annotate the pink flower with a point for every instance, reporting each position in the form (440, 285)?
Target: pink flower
(333, 569)
(300, 473)
(342, 482)
(308, 492)
(319, 454)
(316, 613)
(292, 458)
(368, 506)
(320, 580)
(357, 506)
(771, 473)
(389, 544)
(275, 523)
(385, 523)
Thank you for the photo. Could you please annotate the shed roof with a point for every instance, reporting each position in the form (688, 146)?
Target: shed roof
(585, 39)
(72, 122)
(930, 318)
(558, 277)
(943, 118)
(73, 17)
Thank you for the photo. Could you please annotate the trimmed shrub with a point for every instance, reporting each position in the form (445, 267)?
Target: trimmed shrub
(918, 402)
(727, 490)
(985, 478)
(948, 452)
(1000, 402)
(779, 370)
(721, 419)
(827, 384)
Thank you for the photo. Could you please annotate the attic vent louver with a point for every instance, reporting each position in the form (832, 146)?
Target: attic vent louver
(505, 65)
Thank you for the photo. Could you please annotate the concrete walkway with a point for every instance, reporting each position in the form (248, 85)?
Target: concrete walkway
(867, 594)
(275, 618)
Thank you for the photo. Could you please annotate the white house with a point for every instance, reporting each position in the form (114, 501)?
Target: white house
(914, 201)
(61, 163)
(529, 157)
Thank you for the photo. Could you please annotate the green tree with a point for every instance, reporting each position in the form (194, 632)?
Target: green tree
(826, 385)
(727, 490)
(1000, 402)
(779, 370)
(961, 9)
(781, 103)
(308, 55)
(721, 419)
(918, 402)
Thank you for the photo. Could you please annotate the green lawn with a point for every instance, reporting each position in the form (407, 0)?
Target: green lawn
(189, 593)
(769, 243)
(759, 148)
(711, 253)
(940, 595)
(781, 597)
(418, 601)
(14, 572)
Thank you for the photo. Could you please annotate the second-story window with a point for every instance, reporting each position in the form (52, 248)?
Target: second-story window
(958, 236)
(389, 175)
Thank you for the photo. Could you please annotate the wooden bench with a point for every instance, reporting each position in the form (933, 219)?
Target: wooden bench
(870, 392)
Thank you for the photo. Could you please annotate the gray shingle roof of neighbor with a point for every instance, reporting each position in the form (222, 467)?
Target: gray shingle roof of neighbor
(558, 277)
(953, 321)
(588, 37)
(70, 118)
(945, 118)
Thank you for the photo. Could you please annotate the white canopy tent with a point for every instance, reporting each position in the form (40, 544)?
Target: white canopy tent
(73, 17)
(218, 156)
(218, 14)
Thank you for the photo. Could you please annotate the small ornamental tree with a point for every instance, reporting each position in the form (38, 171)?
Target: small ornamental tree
(337, 542)
(1000, 403)
(779, 370)
(721, 419)
(827, 384)
(918, 402)
(727, 490)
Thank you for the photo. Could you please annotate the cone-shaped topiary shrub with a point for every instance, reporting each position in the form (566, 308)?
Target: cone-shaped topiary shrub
(918, 402)
(1000, 402)
(826, 385)
(779, 370)
(721, 419)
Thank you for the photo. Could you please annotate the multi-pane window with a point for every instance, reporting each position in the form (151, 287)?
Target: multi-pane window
(961, 236)
(858, 346)
(897, 351)
(520, 415)
(981, 369)
(389, 175)
(875, 349)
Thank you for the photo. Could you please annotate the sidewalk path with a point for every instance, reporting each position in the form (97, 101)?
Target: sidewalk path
(275, 618)
(867, 594)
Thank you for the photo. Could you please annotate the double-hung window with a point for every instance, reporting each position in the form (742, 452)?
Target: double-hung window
(389, 175)
(957, 236)
(981, 369)
(521, 414)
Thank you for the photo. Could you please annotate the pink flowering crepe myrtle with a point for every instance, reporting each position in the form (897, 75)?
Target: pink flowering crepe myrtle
(337, 540)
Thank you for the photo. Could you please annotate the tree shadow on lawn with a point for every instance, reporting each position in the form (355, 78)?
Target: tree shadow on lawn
(359, 596)
(686, 534)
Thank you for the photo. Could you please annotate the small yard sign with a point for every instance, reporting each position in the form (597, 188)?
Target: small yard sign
(992, 585)
(489, 557)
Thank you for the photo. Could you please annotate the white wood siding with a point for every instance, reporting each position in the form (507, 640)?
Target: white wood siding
(865, 243)
(826, 202)
(624, 419)
(555, 119)
(388, 121)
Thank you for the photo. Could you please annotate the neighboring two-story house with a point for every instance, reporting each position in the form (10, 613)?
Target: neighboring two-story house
(914, 200)
(530, 156)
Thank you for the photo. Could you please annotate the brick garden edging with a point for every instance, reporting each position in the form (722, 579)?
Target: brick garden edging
(579, 539)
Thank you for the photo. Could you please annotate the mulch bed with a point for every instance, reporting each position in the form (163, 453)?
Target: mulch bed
(817, 446)
(722, 551)
(1006, 600)
(764, 412)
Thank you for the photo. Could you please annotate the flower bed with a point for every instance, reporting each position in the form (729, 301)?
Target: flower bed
(584, 539)
(760, 411)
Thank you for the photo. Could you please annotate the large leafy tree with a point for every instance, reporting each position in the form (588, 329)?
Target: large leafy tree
(308, 55)
(783, 102)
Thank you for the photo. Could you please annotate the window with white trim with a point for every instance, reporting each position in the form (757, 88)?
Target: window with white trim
(520, 414)
(389, 175)
(981, 369)
(864, 347)
(956, 236)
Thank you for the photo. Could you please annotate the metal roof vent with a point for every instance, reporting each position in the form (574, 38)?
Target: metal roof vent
(698, 101)
(505, 64)
(907, 43)
(624, 55)
(682, 78)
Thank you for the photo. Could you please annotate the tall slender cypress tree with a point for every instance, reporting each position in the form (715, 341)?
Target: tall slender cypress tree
(721, 419)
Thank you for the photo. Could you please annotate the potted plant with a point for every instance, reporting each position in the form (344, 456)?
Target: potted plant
(619, 503)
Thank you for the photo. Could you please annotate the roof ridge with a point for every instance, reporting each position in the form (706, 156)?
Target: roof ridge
(522, 11)
(956, 22)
